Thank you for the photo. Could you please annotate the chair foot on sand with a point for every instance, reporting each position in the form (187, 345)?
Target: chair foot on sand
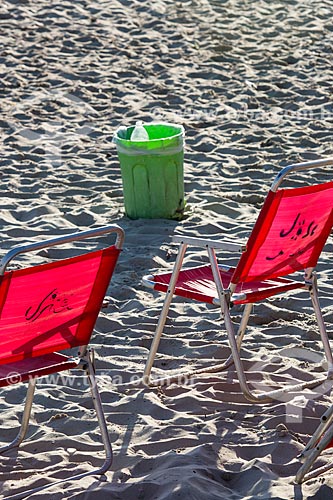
(321, 440)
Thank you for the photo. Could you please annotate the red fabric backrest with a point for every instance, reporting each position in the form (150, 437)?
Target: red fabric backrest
(52, 306)
(289, 234)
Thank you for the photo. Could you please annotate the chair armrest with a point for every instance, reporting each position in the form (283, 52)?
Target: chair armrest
(218, 245)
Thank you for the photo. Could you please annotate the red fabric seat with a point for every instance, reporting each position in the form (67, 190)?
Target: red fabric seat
(22, 371)
(198, 284)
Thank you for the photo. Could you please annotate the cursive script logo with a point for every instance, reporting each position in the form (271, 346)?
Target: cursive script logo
(54, 302)
(298, 229)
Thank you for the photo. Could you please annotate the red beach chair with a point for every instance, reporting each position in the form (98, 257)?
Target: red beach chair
(289, 235)
(49, 308)
(321, 440)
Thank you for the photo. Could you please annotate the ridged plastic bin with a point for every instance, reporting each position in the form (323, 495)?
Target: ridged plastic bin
(152, 171)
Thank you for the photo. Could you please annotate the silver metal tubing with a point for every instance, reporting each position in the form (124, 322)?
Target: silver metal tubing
(237, 360)
(149, 281)
(234, 344)
(61, 240)
(164, 313)
(325, 421)
(280, 393)
(217, 278)
(297, 167)
(82, 352)
(99, 412)
(322, 329)
(184, 376)
(240, 334)
(302, 473)
(218, 245)
(104, 433)
(314, 473)
(263, 397)
(25, 418)
(235, 341)
(209, 369)
(243, 323)
(220, 291)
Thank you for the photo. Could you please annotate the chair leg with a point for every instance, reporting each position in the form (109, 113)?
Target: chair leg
(90, 371)
(243, 323)
(318, 442)
(100, 416)
(235, 341)
(234, 345)
(264, 397)
(237, 359)
(325, 421)
(147, 380)
(25, 418)
(161, 323)
(320, 320)
(164, 314)
(239, 338)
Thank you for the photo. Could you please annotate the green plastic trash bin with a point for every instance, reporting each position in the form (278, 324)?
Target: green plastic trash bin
(152, 171)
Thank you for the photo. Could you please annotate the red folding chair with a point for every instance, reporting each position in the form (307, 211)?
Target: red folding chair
(289, 235)
(49, 308)
(321, 440)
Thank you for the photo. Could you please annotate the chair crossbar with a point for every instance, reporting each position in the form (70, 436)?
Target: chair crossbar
(217, 245)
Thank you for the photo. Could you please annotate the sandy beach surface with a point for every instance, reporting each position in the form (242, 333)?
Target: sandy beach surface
(251, 82)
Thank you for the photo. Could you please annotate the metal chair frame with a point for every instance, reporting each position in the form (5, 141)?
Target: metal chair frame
(85, 361)
(224, 300)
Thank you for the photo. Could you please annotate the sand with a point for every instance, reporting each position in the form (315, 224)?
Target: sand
(251, 82)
